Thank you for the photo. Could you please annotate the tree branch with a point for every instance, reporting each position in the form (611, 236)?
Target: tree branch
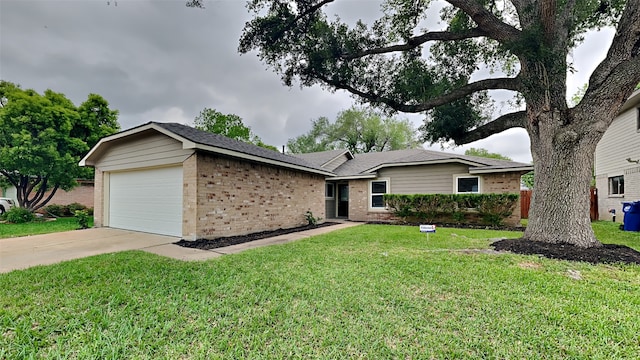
(617, 75)
(42, 203)
(486, 84)
(502, 123)
(416, 41)
(487, 21)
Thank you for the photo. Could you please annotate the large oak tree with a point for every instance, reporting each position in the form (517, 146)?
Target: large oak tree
(398, 63)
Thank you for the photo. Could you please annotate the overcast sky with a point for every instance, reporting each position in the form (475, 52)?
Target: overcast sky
(161, 61)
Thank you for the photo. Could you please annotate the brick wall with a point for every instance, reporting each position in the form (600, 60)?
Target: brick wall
(98, 198)
(189, 197)
(236, 197)
(81, 194)
(359, 204)
(504, 183)
(492, 183)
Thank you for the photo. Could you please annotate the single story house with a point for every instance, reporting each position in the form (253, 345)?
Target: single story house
(172, 179)
(356, 190)
(617, 161)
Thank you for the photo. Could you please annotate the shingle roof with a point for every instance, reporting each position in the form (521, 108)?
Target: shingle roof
(223, 142)
(322, 157)
(363, 164)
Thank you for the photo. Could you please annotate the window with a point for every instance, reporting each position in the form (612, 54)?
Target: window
(378, 189)
(616, 185)
(638, 119)
(467, 184)
(329, 191)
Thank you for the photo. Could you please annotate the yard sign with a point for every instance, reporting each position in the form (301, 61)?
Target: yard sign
(428, 229)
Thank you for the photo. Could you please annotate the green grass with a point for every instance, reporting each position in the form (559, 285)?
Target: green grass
(372, 291)
(39, 227)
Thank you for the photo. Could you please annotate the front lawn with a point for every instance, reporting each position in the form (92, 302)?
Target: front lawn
(40, 227)
(372, 291)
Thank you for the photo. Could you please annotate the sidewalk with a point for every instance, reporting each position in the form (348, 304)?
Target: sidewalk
(189, 254)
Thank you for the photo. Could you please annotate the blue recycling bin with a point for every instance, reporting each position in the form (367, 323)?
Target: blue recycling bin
(631, 216)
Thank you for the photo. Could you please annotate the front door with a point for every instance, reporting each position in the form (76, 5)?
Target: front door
(343, 200)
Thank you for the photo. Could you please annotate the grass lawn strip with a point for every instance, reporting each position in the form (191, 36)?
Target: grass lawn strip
(39, 227)
(371, 291)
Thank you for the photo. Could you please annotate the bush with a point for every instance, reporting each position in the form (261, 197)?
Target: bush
(65, 210)
(83, 218)
(312, 220)
(491, 209)
(18, 215)
(55, 210)
(73, 207)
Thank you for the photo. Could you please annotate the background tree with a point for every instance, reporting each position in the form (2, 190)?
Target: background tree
(359, 131)
(485, 153)
(317, 139)
(389, 64)
(43, 137)
(229, 125)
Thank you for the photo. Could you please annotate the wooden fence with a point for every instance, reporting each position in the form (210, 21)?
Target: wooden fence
(525, 203)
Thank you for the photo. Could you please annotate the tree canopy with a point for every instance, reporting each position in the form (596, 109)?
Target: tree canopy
(403, 62)
(43, 137)
(229, 125)
(358, 130)
(485, 153)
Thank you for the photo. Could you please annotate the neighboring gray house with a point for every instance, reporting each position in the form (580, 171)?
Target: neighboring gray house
(175, 180)
(356, 190)
(617, 161)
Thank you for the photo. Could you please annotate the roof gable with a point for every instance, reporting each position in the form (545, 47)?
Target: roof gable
(192, 138)
(367, 164)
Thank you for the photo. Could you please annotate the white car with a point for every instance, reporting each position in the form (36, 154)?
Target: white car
(5, 204)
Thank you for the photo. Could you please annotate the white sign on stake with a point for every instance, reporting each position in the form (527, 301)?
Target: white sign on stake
(428, 229)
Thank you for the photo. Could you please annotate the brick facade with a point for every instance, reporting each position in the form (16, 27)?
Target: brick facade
(359, 204)
(237, 197)
(98, 198)
(81, 194)
(504, 183)
(491, 183)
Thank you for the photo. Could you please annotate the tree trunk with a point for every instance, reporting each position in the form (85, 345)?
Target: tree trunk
(563, 160)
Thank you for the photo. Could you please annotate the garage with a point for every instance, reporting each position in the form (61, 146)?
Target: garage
(147, 200)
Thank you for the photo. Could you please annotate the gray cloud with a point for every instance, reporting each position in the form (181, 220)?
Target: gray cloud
(162, 61)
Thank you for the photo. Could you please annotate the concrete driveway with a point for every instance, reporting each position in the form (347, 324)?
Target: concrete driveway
(24, 252)
(28, 251)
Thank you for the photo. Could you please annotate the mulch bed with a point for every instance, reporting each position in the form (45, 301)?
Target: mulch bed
(208, 244)
(606, 254)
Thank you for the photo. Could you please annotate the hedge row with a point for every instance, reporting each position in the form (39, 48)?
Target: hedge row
(66, 210)
(490, 209)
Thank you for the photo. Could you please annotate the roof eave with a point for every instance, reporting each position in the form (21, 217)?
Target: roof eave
(259, 159)
(352, 177)
(500, 170)
(428, 162)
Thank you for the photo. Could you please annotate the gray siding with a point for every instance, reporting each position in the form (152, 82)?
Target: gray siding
(620, 142)
(145, 150)
(422, 179)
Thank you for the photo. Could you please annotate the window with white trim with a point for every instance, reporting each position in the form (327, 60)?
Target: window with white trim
(377, 189)
(467, 184)
(616, 185)
(638, 119)
(329, 191)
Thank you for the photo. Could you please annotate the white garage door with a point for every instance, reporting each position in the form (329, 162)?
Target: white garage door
(147, 200)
